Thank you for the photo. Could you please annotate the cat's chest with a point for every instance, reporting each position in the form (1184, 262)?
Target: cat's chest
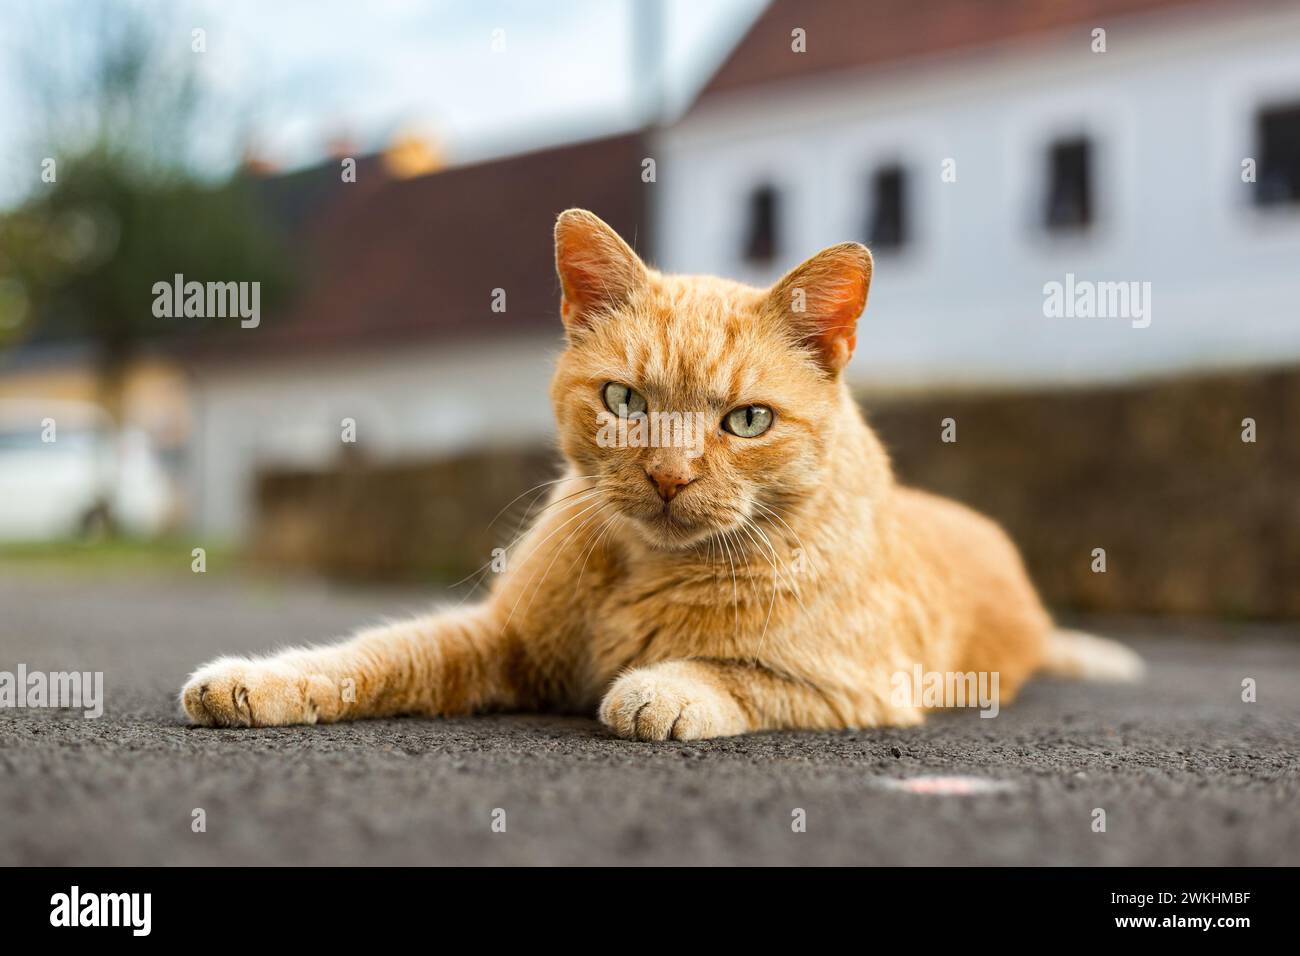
(643, 618)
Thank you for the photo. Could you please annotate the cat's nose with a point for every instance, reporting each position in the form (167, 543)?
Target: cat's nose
(668, 481)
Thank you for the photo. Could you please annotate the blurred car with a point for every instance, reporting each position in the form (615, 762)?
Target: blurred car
(67, 471)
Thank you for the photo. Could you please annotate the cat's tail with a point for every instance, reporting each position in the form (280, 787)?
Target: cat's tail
(1088, 657)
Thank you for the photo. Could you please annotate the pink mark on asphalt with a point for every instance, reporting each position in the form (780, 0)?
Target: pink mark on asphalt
(949, 786)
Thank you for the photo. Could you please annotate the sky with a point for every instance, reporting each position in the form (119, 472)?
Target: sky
(310, 71)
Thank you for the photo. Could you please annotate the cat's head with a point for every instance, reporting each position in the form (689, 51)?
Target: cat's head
(696, 403)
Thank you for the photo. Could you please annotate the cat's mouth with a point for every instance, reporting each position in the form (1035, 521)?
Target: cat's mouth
(680, 522)
(669, 531)
(664, 524)
(672, 526)
(671, 518)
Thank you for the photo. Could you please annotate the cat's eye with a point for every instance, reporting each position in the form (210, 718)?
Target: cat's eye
(623, 401)
(748, 421)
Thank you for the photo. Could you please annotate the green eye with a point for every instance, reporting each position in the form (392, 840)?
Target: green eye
(748, 421)
(623, 401)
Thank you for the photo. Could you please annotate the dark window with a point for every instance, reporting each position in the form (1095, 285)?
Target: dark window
(760, 232)
(887, 222)
(1277, 131)
(1069, 185)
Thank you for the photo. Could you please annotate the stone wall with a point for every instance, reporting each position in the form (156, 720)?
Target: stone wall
(1192, 519)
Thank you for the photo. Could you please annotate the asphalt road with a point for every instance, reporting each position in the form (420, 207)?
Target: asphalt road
(1185, 771)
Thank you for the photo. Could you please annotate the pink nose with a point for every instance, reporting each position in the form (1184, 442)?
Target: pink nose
(667, 481)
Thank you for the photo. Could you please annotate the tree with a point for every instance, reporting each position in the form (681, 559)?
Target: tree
(125, 151)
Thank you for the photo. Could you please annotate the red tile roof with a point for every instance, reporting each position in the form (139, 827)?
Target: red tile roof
(854, 34)
(389, 261)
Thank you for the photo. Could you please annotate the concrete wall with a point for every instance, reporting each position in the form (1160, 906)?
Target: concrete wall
(421, 402)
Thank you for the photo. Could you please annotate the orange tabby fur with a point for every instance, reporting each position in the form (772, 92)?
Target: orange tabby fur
(784, 586)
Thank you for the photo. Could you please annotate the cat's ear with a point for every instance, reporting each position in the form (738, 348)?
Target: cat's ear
(822, 299)
(598, 270)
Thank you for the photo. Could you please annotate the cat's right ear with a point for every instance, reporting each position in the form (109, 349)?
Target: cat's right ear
(822, 299)
(598, 271)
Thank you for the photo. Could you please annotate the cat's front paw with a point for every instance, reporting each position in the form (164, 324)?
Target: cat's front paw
(675, 700)
(235, 692)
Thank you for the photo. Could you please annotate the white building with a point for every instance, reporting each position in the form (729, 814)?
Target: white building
(984, 157)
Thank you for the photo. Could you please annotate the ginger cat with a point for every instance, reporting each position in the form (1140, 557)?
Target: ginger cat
(769, 574)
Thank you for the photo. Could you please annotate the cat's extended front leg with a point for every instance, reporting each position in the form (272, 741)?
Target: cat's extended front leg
(449, 662)
(696, 698)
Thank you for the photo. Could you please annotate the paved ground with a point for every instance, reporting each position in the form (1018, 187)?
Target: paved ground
(1186, 772)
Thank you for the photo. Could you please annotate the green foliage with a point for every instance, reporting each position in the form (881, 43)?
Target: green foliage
(119, 106)
(113, 555)
(88, 250)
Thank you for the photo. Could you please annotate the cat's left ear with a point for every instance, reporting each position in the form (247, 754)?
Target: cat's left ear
(822, 300)
(598, 271)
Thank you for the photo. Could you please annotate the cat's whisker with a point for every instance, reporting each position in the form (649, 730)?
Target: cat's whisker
(600, 510)
(774, 514)
(735, 587)
(482, 572)
(794, 583)
(590, 492)
(561, 500)
(600, 536)
(589, 497)
(573, 499)
(776, 579)
(480, 575)
(582, 494)
(523, 522)
(544, 484)
(752, 531)
(798, 541)
(518, 536)
(553, 533)
(482, 568)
